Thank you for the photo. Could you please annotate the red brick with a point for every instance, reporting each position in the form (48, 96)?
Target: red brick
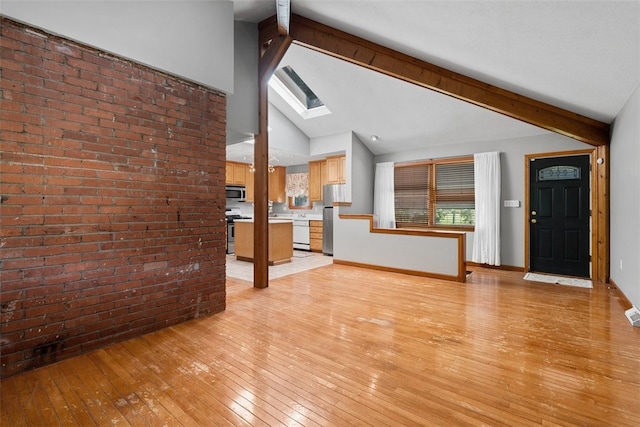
(22, 325)
(97, 129)
(100, 60)
(19, 117)
(82, 118)
(64, 260)
(43, 309)
(48, 133)
(62, 124)
(62, 279)
(54, 148)
(66, 48)
(80, 321)
(111, 107)
(40, 273)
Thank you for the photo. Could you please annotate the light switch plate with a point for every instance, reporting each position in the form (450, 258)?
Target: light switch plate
(512, 203)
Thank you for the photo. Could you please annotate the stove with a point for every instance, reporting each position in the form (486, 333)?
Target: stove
(233, 214)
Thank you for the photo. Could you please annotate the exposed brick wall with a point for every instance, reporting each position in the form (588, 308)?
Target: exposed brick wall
(112, 186)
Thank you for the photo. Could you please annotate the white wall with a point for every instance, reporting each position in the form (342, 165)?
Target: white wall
(192, 39)
(512, 165)
(625, 199)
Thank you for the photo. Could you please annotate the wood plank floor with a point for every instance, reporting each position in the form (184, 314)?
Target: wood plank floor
(340, 345)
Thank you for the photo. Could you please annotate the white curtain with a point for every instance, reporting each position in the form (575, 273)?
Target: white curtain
(383, 196)
(486, 241)
(297, 184)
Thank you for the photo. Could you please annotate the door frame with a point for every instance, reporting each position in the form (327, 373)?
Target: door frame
(599, 192)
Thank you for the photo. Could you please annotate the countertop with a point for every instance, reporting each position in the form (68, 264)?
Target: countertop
(310, 217)
(271, 220)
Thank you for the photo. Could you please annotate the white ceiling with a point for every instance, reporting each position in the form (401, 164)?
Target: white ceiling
(578, 55)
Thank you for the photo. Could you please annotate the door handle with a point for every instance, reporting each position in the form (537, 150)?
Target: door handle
(534, 213)
(533, 221)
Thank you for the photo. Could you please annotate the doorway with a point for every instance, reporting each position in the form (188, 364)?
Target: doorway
(559, 215)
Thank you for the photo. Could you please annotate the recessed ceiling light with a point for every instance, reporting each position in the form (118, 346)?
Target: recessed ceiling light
(374, 138)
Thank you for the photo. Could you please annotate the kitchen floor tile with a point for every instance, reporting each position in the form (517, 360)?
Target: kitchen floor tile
(301, 261)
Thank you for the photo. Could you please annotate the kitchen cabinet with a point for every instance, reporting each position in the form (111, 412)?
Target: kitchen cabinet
(315, 180)
(276, 189)
(277, 183)
(315, 235)
(236, 173)
(336, 170)
(323, 175)
(249, 186)
(280, 238)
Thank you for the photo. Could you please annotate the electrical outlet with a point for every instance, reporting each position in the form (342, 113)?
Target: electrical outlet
(620, 264)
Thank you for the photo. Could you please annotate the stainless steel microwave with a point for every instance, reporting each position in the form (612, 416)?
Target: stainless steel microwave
(236, 192)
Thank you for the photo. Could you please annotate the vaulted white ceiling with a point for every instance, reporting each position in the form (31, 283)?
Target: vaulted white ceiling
(583, 56)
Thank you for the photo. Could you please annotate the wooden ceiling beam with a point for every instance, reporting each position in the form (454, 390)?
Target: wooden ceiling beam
(271, 57)
(268, 30)
(375, 57)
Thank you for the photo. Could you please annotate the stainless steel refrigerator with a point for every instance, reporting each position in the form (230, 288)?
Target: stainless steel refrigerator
(330, 193)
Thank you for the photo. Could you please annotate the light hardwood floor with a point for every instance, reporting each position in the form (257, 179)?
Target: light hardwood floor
(340, 345)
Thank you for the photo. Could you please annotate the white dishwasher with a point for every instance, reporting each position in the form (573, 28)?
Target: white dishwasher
(301, 234)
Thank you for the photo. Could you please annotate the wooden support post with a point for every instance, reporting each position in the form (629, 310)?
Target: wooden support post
(272, 52)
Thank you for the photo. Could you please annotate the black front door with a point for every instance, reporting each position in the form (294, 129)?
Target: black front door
(559, 216)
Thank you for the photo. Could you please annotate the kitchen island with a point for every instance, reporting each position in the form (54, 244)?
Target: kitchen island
(280, 240)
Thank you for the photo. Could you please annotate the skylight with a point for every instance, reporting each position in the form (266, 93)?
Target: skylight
(290, 86)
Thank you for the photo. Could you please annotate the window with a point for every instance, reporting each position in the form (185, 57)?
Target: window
(297, 189)
(435, 194)
(298, 87)
(295, 92)
(455, 194)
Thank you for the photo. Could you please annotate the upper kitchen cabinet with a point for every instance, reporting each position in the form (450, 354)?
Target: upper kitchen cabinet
(277, 179)
(236, 173)
(277, 182)
(336, 170)
(249, 186)
(316, 180)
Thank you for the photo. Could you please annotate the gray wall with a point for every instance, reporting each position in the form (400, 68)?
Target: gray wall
(242, 105)
(625, 199)
(286, 136)
(324, 146)
(512, 165)
(362, 178)
(298, 168)
(192, 39)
